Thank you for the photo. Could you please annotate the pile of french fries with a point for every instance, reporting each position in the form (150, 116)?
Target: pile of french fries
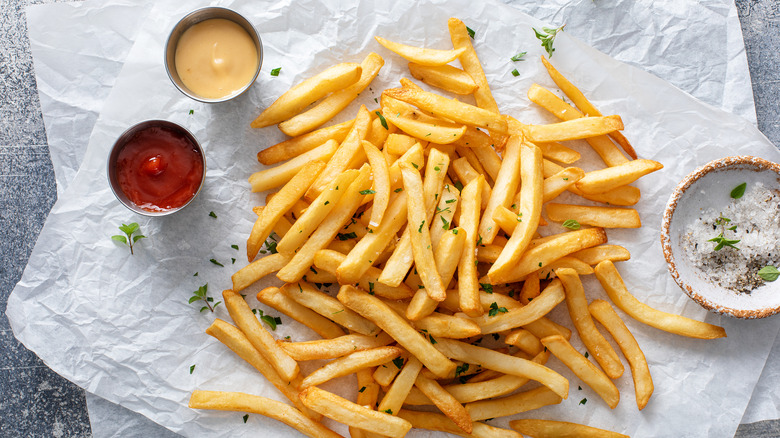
(425, 212)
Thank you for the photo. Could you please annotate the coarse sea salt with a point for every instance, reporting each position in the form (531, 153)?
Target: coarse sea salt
(756, 216)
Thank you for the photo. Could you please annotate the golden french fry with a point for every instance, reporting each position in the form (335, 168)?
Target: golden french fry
(333, 348)
(306, 295)
(281, 174)
(447, 256)
(452, 303)
(260, 338)
(279, 204)
(421, 55)
(468, 282)
(525, 341)
(643, 382)
(324, 234)
(531, 288)
(622, 196)
(335, 102)
(413, 156)
(604, 180)
(330, 260)
(446, 77)
(350, 364)
(489, 159)
(428, 128)
(580, 267)
(273, 297)
(293, 147)
(439, 422)
(500, 319)
(241, 402)
(445, 402)
(298, 97)
(514, 404)
(504, 363)
(558, 429)
(399, 144)
(594, 256)
(583, 368)
(612, 282)
(574, 129)
(445, 212)
(604, 217)
(258, 269)
(558, 152)
(385, 373)
(394, 325)
(594, 341)
(471, 64)
(453, 327)
(379, 131)
(237, 341)
(543, 327)
(558, 183)
(403, 383)
(368, 393)
(381, 176)
(351, 414)
(466, 173)
(504, 189)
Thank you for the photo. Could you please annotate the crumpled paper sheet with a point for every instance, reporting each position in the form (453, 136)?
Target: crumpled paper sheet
(135, 326)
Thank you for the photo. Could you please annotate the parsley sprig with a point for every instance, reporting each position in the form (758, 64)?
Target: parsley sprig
(128, 238)
(202, 295)
(720, 240)
(547, 37)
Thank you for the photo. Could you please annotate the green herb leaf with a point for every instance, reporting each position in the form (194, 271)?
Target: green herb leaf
(192, 112)
(547, 37)
(138, 237)
(119, 238)
(460, 369)
(519, 57)
(738, 191)
(362, 389)
(192, 368)
(583, 401)
(367, 192)
(515, 73)
(382, 120)
(212, 214)
(471, 32)
(399, 189)
(446, 225)
(398, 362)
(275, 72)
(769, 273)
(269, 320)
(214, 261)
(419, 230)
(389, 411)
(494, 309)
(346, 236)
(234, 247)
(246, 417)
(487, 287)
(571, 224)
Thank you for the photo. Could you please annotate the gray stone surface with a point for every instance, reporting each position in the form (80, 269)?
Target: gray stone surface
(34, 401)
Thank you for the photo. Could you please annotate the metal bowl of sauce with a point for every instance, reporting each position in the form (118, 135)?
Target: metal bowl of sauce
(156, 168)
(213, 54)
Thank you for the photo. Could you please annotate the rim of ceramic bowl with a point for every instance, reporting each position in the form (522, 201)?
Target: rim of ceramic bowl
(758, 164)
(193, 18)
(120, 143)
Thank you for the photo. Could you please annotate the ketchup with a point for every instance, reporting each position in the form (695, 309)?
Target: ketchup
(159, 169)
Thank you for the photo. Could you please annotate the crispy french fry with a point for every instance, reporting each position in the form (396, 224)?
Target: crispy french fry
(471, 65)
(385, 373)
(240, 402)
(273, 297)
(594, 341)
(580, 267)
(335, 102)
(543, 327)
(445, 402)
(560, 182)
(604, 180)
(643, 382)
(381, 176)
(468, 282)
(421, 55)
(574, 129)
(351, 414)
(403, 383)
(525, 341)
(306, 295)
(514, 404)
(622, 196)
(446, 77)
(445, 212)
(594, 256)
(612, 282)
(558, 152)
(294, 100)
(500, 319)
(279, 204)
(293, 147)
(604, 217)
(368, 393)
(531, 288)
(504, 189)
(439, 422)
(428, 128)
(447, 256)
(560, 429)
(260, 338)
(281, 174)
(333, 348)
(330, 260)
(394, 325)
(350, 364)
(399, 144)
(489, 159)
(258, 269)
(379, 131)
(466, 173)
(237, 341)
(583, 368)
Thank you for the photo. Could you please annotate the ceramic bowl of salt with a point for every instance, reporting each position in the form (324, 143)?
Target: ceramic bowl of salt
(721, 236)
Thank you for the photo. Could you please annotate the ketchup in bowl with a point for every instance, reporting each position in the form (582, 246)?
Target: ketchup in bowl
(156, 167)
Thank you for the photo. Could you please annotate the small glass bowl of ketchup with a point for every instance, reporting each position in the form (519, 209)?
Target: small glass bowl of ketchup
(156, 168)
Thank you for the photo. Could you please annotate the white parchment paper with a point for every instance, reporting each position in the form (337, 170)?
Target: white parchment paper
(171, 103)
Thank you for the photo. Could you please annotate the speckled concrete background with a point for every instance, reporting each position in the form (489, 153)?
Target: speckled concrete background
(34, 401)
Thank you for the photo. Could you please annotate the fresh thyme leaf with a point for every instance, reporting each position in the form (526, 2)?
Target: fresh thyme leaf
(275, 72)
(119, 238)
(270, 321)
(738, 191)
(382, 120)
(212, 214)
(192, 112)
(192, 368)
(419, 230)
(515, 73)
(214, 261)
(471, 32)
(769, 273)
(519, 57)
(202, 295)
(547, 37)
(571, 224)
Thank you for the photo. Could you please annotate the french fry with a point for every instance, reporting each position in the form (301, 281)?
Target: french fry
(447, 256)
(445, 212)
(403, 383)
(604, 217)
(446, 77)
(381, 176)
(260, 338)
(466, 173)
(489, 159)
(560, 182)
(452, 302)
(558, 152)
(584, 104)
(543, 327)
(525, 341)
(240, 402)
(445, 402)
(368, 393)
(351, 414)
(529, 213)
(514, 404)
(279, 204)
(574, 129)
(594, 256)
(468, 282)
(439, 422)
(594, 341)
(330, 260)
(474, 138)
(583, 368)
(471, 64)
(421, 55)
(258, 269)
(504, 363)
(643, 382)
(236, 340)
(273, 297)
(501, 319)
(350, 364)
(394, 325)
(448, 326)
(306, 295)
(604, 180)
(558, 429)
(385, 373)
(343, 211)
(379, 131)
(333, 348)
(504, 189)
(580, 267)
(297, 98)
(399, 144)
(412, 156)
(335, 102)
(293, 147)
(281, 174)
(545, 253)
(431, 129)
(613, 284)
(531, 288)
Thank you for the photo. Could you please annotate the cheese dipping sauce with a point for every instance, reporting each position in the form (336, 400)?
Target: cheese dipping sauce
(215, 58)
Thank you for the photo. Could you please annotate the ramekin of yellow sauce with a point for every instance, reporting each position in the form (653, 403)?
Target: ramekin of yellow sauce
(213, 54)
